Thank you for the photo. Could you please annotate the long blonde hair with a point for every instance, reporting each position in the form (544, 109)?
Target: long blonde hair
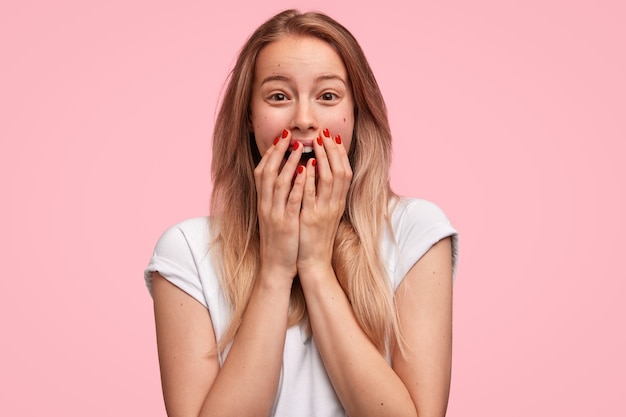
(234, 223)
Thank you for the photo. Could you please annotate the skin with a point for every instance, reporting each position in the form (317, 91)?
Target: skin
(300, 85)
(301, 88)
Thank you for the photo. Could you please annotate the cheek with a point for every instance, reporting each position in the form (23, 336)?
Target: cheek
(266, 122)
(345, 127)
(263, 131)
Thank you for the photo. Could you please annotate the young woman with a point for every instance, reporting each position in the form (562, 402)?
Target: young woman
(311, 290)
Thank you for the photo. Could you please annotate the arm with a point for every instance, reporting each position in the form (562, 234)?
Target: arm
(419, 382)
(363, 380)
(424, 302)
(246, 385)
(361, 377)
(185, 340)
(193, 384)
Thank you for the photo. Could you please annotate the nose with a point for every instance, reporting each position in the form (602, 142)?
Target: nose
(304, 118)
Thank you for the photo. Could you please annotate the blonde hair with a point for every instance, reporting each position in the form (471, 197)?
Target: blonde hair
(356, 259)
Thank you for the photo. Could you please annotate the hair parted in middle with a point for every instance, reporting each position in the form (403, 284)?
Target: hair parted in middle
(234, 222)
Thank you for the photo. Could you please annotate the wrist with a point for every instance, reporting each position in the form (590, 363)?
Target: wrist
(275, 278)
(316, 273)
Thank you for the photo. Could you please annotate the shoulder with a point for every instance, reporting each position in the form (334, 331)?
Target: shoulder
(413, 217)
(179, 252)
(187, 235)
(416, 225)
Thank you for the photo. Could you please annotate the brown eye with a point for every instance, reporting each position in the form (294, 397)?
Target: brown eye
(278, 97)
(328, 96)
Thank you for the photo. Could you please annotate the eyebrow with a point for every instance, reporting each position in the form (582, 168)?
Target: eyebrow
(289, 79)
(275, 78)
(330, 77)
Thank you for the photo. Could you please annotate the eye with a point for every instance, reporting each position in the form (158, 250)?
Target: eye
(329, 96)
(278, 97)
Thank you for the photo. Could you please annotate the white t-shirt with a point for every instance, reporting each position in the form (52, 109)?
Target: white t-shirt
(182, 255)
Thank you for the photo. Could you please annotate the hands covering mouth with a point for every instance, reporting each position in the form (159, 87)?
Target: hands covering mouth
(300, 205)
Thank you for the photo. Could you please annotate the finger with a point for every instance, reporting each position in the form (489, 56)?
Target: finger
(335, 157)
(276, 152)
(258, 170)
(283, 183)
(342, 172)
(324, 174)
(294, 201)
(339, 174)
(308, 200)
(266, 171)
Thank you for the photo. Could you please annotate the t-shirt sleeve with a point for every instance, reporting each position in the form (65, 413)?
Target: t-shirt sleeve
(173, 258)
(420, 226)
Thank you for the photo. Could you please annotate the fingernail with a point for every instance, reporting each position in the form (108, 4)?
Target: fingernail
(285, 133)
(276, 140)
(319, 141)
(338, 139)
(300, 169)
(313, 162)
(296, 145)
(326, 133)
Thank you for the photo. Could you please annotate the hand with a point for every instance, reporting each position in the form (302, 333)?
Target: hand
(278, 206)
(323, 203)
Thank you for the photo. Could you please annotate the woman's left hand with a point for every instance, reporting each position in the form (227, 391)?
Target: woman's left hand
(328, 178)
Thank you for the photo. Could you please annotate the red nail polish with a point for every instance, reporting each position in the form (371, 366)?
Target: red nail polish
(338, 139)
(296, 146)
(313, 162)
(319, 141)
(276, 140)
(285, 133)
(300, 169)
(326, 133)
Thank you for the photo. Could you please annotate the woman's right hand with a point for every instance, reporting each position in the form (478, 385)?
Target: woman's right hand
(279, 198)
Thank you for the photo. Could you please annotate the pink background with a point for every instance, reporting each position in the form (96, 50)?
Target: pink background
(510, 117)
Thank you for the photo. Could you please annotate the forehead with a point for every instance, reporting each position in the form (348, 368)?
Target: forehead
(298, 56)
